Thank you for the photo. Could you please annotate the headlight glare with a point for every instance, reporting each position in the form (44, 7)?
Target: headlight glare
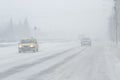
(20, 46)
(31, 45)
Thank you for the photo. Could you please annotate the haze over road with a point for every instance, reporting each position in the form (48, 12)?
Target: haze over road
(61, 61)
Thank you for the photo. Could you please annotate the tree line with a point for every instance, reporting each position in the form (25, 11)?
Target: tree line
(14, 32)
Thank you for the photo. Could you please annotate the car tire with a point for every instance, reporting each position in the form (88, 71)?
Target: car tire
(37, 50)
(34, 51)
(20, 51)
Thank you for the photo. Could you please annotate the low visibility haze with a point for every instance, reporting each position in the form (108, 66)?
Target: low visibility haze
(61, 18)
(59, 39)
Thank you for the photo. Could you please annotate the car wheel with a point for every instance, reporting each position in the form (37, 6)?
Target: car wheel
(20, 51)
(34, 50)
(37, 50)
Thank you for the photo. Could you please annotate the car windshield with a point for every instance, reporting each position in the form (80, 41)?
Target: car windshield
(27, 41)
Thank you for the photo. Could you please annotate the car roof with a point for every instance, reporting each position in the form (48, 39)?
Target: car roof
(32, 39)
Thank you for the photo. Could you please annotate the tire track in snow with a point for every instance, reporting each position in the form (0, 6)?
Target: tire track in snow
(22, 67)
(56, 66)
(12, 59)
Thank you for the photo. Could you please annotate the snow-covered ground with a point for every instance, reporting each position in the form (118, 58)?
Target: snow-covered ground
(61, 61)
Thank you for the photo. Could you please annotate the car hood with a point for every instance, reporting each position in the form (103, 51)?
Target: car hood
(26, 44)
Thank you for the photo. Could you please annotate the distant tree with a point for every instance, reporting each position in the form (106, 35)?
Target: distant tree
(115, 21)
(26, 28)
(112, 28)
(10, 36)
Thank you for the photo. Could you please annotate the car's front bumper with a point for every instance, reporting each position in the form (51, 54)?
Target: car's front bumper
(26, 48)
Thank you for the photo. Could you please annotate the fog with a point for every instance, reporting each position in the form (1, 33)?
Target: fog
(61, 18)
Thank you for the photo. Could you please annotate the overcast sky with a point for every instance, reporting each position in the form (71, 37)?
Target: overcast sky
(59, 17)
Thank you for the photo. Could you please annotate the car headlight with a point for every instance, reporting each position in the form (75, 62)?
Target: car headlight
(31, 45)
(20, 46)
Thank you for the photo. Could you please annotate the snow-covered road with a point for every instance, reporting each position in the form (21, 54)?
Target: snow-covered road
(61, 61)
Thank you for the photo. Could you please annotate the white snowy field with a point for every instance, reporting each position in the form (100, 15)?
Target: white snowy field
(61, 61)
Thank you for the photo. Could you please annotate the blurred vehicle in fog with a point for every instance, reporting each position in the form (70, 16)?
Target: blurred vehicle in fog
(29, 44)
(86, 41)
